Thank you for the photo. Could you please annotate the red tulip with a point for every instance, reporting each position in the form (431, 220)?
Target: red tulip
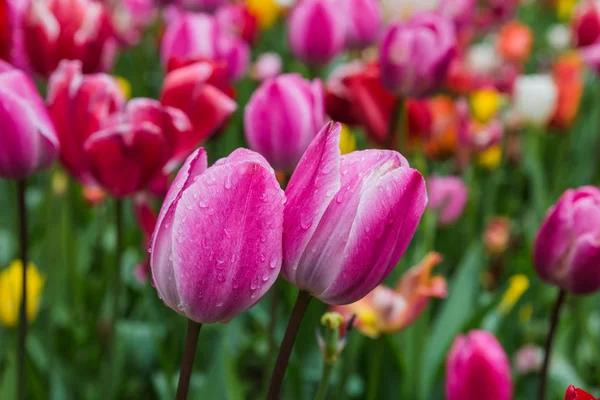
(202, 92)
(136, 145)
(577, 394)
(58, 30)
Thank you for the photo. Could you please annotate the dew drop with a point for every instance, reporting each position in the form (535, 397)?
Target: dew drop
(228, 182)
(220, 277)
(305, 220)
(220, 304)
(262, 257)
(202, 204)
(263, 238)
(265, 278)
(227, 234)
(253, 285)
(181, 307)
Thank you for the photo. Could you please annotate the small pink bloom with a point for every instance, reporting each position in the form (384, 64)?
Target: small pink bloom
(448, 196)
(529, 359)
(363, 24)
(268, 65)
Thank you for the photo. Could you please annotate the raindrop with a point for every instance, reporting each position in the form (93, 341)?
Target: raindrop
(181, 307)
(220, 277)
(262, 257)
(305, 220)
(253, 286)
(263, 238)
(202, 203)
(228, 182)
(273, 262)
(227, 234)
(220, 304)
(265, 278)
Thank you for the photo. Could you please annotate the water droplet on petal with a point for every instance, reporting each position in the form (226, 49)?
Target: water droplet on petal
(227, 234)
(273, 262)
(220, 277)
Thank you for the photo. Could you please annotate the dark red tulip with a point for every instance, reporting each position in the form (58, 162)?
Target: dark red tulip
(577, 394)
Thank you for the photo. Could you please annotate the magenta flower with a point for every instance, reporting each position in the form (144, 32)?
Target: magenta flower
(363, 24)
(282, 118)
(28, 140)
(415, 56)
(316, 31)
(448, 196)
(216, 249)
(348, 219)
(567, 246)
(477, 368)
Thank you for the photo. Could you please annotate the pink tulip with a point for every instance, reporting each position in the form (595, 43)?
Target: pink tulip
(191, 37)
(136, 145)
(201, 5)
(238, 20)
(415, 56)
(78, 105)
(12, 48)
(477, 368)
(267, 66)
(461, 12)
(58, 30)
(363, 24)
(282, 118)
(316, 31)
(586, 23)
(448, 196)
(28, 140)
(567, 246)
(348, 219)
(216, 249)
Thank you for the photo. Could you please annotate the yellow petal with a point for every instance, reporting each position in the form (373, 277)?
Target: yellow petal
(517, 286)
(490, 158)
(347, 140)
(11, 293)
(485, 104)
(265, 11)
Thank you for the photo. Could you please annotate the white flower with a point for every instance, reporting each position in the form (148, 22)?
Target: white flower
(558, 37)
(482, 58)
(401, 10)
(535, 98)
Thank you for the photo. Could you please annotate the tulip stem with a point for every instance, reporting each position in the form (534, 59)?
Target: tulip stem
(560, 300)
(118, 257)
(187, 364)
(324, 384)
(22, 207)
(288, 343)
(397, 114)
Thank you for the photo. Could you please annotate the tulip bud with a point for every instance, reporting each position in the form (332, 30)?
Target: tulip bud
(497, 235)
(28, 140)
(559, 37)
(577, 394)
(477, 368)
(11, 293)
(79, 104)
(282, 118)
(58, 30)
(567, 246)
(515, 41)
(216, 249)
(11, 36)
(202, 5)
(528, 359)
(316, 31)
(334, 246)
(586, 23)
(535, 98)
(237, 19)
(202, 92)
(415, 56)
(135, 145)
(268, 65)
(363, 22)
(448, 197)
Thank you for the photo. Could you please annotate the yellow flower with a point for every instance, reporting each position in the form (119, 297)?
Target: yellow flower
(125, 86)
(564, 9)
(10, 292)
(265, 11)
(525, 313)
(517, 286)
(490, 158)
(60, 183)
(485, 104)
(347, 140)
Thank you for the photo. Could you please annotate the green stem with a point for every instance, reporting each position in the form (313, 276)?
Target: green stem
(21, 351)
(187, 364)
(324, 384)
(118, 259)
(560, 300)
(397, 114)
(287, 344)
(375, 369)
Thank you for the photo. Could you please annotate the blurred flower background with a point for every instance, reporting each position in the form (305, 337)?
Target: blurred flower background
(451, 270)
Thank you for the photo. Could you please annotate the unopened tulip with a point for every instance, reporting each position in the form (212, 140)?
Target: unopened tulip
(78, 105)
(567, 246)
(577, 394)
(202, 91)
(496, 236)
(11, 284)
(316, 31)
(28, 140)
(12, 48)
(535, 99)
(559, 37)
(386, 310)
(515, 41)
(268, 65)
(58, 30)
(237, 19)
(586, 23)
(217, 249)
(135, 145)
(568, 76)
(201, 5)
(336, 247)
(415, 56)
(477, 368)
(363, 23)
(448, 197)
(282, 118)
(461, 12)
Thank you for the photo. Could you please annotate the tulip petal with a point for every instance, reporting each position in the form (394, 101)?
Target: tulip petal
(386, 220)
(227, 239)
(584, 265)
(309, 192)
(161, 258)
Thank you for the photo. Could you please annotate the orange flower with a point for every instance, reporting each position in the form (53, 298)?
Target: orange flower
(497, 235)
(515, 41)
(443, 136)
(568, 75)
(387, 310)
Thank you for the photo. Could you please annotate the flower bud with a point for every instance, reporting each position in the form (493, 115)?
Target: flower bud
(216, 249)
(535, 98)
(363, 22)
(586, 23)
(415, 56)
(448, 197)
(11, 282)
(477, 368)
(282, 118)
(577, 394)
(567, 245)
